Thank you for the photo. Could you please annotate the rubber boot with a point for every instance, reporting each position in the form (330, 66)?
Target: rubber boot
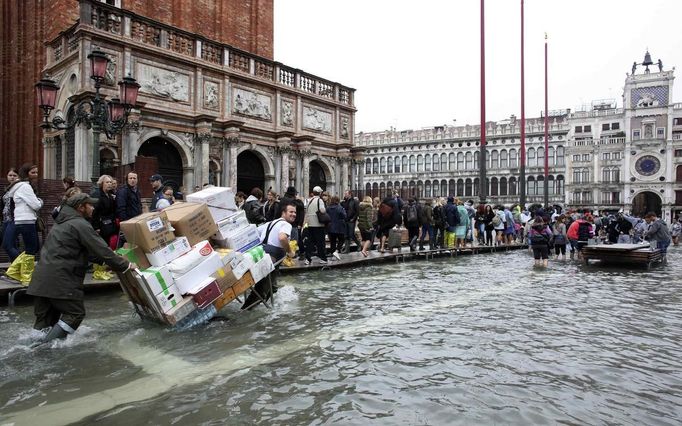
(56, 332)
(346, 247)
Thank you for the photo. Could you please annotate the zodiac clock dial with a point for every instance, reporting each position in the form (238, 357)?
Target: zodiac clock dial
(647, 165)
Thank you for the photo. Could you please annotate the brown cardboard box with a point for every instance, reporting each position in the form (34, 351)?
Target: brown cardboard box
(225, 277)
(191, 220)
(244, 283)
(180, 311)
(149, 231)
(132, 286)
(223, 300)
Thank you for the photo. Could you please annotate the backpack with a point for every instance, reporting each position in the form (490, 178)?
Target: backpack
(452, 215)
(584, 231)
(539, 239)
(496, 220)
(412, 214)
(385, 211)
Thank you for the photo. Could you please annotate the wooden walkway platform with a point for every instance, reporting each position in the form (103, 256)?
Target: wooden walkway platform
(11, 289)
(632, 254)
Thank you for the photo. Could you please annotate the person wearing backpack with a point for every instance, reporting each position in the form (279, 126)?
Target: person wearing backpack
(25, 214)
(498, 224)
(559, 235)
(539, 237)
(579, 233)
(427, 225)
(316, 230)
(452, 217)
(439, 223)
(463, 224)
(411, 219)
(388, 216)
(7, 205)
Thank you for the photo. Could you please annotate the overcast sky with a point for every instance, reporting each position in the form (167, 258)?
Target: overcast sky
(415, 64)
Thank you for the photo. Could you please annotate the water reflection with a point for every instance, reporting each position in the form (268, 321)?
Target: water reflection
(470, 340)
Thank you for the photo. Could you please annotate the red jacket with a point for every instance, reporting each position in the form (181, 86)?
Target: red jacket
(572, 232)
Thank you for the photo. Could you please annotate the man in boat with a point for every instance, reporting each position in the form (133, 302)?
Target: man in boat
(275, 236)
(658, 231)
(57, 282)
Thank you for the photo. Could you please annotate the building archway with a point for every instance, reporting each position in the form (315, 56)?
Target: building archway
(250, 172)
(168, 159)
(645, 202)
(317, 176)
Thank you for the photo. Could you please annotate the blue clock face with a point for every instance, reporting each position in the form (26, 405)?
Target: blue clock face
(647, 165)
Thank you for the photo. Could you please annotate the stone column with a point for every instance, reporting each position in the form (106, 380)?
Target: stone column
(299, 172)
(282, 161)
(305, 174)
(188, 179)
(361, 175)
(344, 176)
(130, 137)
(49, 158)
(224, 175)
(203, 140)
(354, 176)
(232, 140)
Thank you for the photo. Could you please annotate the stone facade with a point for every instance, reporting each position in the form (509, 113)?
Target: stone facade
(204, 102)
(29, 24)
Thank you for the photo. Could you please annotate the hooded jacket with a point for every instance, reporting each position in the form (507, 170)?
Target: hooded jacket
(64, 257)
(26, 204)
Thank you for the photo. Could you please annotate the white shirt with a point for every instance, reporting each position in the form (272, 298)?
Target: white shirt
(280, 226)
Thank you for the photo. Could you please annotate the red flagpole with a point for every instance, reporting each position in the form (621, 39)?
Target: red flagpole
(483, 185)
(522, 183)
(546, 133)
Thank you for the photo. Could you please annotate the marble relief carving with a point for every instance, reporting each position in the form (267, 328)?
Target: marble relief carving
(163, 83)
(318, 120)
(252, 104)
(345, 123)
(287, 113)
(110, 73)
(211, 94)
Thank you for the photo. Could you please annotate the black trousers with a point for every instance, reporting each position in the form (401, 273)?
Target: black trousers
(315, 239)
(49, 311)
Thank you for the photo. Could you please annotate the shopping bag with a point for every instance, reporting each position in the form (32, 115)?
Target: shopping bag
(22, 268)
(101, 273)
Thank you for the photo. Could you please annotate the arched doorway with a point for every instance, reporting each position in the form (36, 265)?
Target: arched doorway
(646, 202)
(168, 158)
(250, 172)
(317, 176)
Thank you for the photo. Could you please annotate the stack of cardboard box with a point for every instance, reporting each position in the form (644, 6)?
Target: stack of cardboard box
(183, 278)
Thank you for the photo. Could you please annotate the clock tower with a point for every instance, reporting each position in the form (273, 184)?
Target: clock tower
(648, 172)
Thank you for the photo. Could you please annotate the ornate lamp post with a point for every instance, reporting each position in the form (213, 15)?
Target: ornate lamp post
(98, 114)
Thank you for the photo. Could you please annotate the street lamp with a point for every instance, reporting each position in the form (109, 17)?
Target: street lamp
(98, 114)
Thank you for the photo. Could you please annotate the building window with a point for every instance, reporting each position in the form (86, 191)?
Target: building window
(560, 185)
(576, 158)
(587, 129)
(435, 163)
(420, 163)
(460, 161)
(587, 197)
(444, 162)
(477, 156)
(576, 197)
(382, 165)
(636, 134)
(469, 160)
(615, 126)
(413, 164)
(678, 153)
(578, 129)
(606, 156)
(560, 156)
(427, 163)
(541, 157)
(530, 186)
(512, 158)
(616, 155)
(494, 159)
(405, 163)
(586, 157)
(605, 126)
(530, 161)
(451, 161)
(677, 121)
(660, 132)
(504, 160)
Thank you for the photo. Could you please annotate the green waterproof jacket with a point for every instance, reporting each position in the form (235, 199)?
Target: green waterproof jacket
(64, 257)
(365, 216)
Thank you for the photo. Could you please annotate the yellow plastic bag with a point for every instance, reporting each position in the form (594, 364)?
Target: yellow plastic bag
(22, 268)
(293, 246)
(288, 262)
(101, 272)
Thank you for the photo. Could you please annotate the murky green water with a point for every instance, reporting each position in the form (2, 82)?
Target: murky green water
(472, 340)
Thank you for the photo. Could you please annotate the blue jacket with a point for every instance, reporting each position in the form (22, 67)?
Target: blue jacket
(128, 204)
(338, 217)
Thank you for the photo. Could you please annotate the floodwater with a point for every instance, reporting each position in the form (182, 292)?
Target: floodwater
(469, 340)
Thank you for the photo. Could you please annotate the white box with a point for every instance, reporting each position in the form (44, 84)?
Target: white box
(240, 267)
(244, 239)
(262, 268)
(189, 260)
(199, 273)
(169, 253)
(157, 279)
(168, 299)
(231, 224)
(220, 201)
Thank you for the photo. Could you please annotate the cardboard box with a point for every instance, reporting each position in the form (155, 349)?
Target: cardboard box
(185, 307)
(224, 299)
(224, 277)
(230, 225)
(149, 231)
(240, 268)
(136, 255)
(189, 260)
(157, 279)
(169, 253)
(205, 293)
(241, 240)
(189, 280)
(228, 255)
(262, 268)
(219, 200)
(168, 299)
(191, 220)
(243, 284)
(133, 286)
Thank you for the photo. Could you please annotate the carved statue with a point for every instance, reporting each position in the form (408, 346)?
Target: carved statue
(660, 65)
(634, 67)
(211, 95)
(287, 113)
(344, 127)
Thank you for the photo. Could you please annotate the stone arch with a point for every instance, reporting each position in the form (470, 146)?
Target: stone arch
(644, 201)
(175, 140)
(264, 157)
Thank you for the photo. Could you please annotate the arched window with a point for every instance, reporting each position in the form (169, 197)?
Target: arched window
(585, 175)
(389, 188)
(436, 188)
(467, 187)
(443, 188)
(540, 190)
(368, 167)
(551, 158)
(460, 187)
(494, 159)
(530, 158)
(375, 190)
(560, 156)
(427, 163)
(503, 186)
(477, 156)
(530, 185)
(435, 163)
(451, 162)
(560, 185)
(452, 188)
(541, 157)
(382, 190)
(420, 189)
(375, 166)
(606, 175)
(413, 189)
(382, 165)
(405, 164)
(494, 186)
(368, 189)
(513, 160)
(460, 161)
(413, 164)
(420, 163)
(550, 184)
(469, 161)
(427, 188)
(504, 159)
(477, 186)
(390, 165)
(404, 189)
(512, 186)
(615, 175)
(443, 162)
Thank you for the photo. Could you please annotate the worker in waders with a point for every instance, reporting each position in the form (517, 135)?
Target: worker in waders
(57, 282)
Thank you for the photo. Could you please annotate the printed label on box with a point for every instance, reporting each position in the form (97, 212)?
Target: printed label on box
(154, 224)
